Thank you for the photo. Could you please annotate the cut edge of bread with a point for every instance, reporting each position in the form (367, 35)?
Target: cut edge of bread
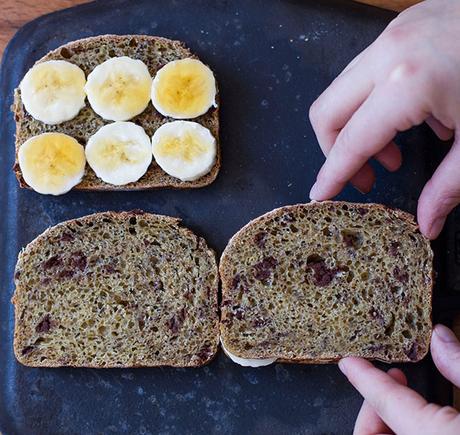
(226, 279)
(88, 218)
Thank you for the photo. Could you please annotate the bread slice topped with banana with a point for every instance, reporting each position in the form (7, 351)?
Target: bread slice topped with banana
(113, 112)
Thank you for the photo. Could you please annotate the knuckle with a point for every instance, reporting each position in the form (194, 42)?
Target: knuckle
(315, 111)
(446, 197)
(346, 144)
(443, 415)
(396, 34)
(404, 71)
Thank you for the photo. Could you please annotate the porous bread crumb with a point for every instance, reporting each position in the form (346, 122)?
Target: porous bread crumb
(126, 289)
(321, 281)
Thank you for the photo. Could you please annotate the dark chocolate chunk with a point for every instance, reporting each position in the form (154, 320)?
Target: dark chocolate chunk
(412, 351)
(54, 261)
(393, 249)
(260, 322)
(205, 352)
(260, 239)
(378, 347)
(27, 350)
(66, 273)
(79, 260)
(263, 270)
(45, 325)
(322, 275)
(176, 321)
(400, 275)
(239, 313)
(239, 282)
(67, 237)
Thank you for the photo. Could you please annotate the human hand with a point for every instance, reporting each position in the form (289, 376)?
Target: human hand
(408, 75)
(391, 407)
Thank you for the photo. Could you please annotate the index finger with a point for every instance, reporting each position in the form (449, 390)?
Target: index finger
(399, 407)
(389, 108)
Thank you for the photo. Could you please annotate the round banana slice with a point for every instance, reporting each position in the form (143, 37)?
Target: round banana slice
(119, 153)
(52, 163)
(119, 88)
(184, 89)
(53, 91)
(184, 149)
(247, 362)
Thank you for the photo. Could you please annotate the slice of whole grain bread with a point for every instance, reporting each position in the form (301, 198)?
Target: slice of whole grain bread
(87, 53)
(312, 283)
(128, 289)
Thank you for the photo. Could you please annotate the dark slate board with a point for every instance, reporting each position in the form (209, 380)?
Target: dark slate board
(272, 59)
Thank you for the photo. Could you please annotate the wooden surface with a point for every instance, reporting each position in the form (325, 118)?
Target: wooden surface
(394, 5)
(15, 13)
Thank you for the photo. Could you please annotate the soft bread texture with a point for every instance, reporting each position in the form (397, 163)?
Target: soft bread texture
(127, 289)
(87, 54)
(313, 283)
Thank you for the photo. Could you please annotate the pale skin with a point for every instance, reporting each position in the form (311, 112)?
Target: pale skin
(409, 75)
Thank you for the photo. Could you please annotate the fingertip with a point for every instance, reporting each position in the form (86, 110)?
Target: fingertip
(444, 334)
(398, 375)
(432, 229)
(314, 192)
(430, 225)
(348, 363)
(445, 351)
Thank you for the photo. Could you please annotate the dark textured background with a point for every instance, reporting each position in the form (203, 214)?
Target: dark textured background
(272, 59)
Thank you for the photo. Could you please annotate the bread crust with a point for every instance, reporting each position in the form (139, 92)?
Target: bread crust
(42, 239)
(235, 241)
(155, 177)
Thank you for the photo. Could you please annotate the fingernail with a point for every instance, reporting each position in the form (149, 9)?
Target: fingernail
(363, 192)
(314, 192)
(343, 366)
(436, 227)
(445, 334)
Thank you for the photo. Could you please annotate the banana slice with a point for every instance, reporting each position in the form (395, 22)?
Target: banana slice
(52, 163)
(247, 362)
(184, 89)
(53, 91)
(184, 149)
(119, 153)
(119, 88)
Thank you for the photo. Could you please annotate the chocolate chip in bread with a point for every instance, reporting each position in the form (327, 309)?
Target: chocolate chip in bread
(126, 289)
(316, 282)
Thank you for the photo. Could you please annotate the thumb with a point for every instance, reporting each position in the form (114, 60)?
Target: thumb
(441, 194)
(445, 351)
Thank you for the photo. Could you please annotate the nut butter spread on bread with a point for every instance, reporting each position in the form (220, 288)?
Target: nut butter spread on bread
(316, 282)
(127, 289)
